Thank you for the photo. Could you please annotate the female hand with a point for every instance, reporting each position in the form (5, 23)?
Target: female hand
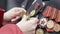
(27, 26)
(13, 13)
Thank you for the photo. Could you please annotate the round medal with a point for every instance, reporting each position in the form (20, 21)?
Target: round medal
(57, 27)
(43, 22)
(39, 31)
(32, 13)
(50, 24)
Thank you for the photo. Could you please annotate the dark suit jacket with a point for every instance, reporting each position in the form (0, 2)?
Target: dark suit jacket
(17, 3)
(8, 4)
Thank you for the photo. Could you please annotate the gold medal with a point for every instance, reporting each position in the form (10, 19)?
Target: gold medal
(50, 24)
(39, 31)
(32, 13)
(57, 27)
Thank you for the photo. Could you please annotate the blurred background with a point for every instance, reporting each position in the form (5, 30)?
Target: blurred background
(8, 4)
(3, 4)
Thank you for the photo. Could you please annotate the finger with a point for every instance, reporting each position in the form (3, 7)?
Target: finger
(19, 11)
(33, 20)
(34, 32)
(30, 32)
(33, 28)
(15, 19)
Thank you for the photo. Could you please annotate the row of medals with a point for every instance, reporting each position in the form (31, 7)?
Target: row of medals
(49, 24)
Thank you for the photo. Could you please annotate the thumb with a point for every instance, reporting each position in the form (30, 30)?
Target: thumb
(24, 18)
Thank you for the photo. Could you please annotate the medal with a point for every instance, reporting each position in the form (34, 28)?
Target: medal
(50, 24)
(50, 29)
(32, 13)
(57, 27)
(43, 22)
(39, 31)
